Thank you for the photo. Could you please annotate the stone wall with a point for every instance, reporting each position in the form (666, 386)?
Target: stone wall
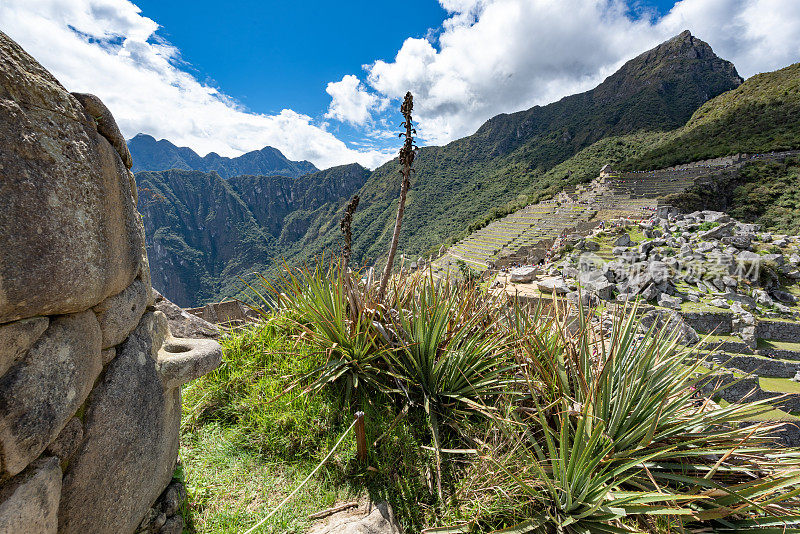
(89, 373)
(710, 322)
(779, 331)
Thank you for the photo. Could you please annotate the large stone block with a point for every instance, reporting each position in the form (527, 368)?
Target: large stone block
(106, 125)
(17, 337)
(42, 391)
(69, 230)
(183, 323)
(130, 441)
(182, 360)
(119, 315)
(29, 501)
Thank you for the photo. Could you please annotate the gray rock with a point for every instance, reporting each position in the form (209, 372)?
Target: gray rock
(173, 497)
(742, 241)
(619, 251)
(591, 246)
(522, 275)
(578, 298)
(762, 297)
(119, 315)
(182, 360)
(17, 337)
(704, 247)
(720, 303)
(366, 519)
(552, 285)
(67, 441)
(672, 323)
(108, 355)
(659, 271)
(748, 256)
(716, 216)
(41, 392)
(668, 301)
(784, 296)
(723, 230)
(602, 288)
(68, 214)
(173, 525)
(183, 324)
(29, 501)
(106, 125)
(130, 444)
(624, 240)
(570, 271)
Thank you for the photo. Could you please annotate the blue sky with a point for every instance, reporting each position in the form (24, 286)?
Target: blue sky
(274, 55)
(322, 81)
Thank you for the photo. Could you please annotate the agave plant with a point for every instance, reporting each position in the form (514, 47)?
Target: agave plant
(619, 441)
(326, 313)
(452, 359)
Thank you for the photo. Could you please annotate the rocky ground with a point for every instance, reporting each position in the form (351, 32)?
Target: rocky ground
(698, 261)
(731, 290)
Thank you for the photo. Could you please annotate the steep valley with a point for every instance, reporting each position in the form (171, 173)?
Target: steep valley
(676, 103)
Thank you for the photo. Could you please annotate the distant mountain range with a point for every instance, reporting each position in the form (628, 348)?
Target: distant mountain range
(203, 232)
(675, 103)
(151, 155)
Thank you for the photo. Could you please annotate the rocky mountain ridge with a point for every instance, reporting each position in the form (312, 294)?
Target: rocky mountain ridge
(203, 231)
(151, 155)
(526, 155)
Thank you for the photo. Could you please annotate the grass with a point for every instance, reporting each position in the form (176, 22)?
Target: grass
(562, 418)
(779, 385)
(247, 442)
(689, 306)
(771, 415)
(772, 344)
(230, 486)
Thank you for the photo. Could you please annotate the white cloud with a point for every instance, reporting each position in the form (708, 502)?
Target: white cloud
(350, 102)
(108, 48)
(488, 57)
(496, 56)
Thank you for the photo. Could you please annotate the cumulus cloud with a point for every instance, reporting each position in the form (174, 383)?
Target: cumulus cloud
(107, 47)
(495, 56)
(350, 101)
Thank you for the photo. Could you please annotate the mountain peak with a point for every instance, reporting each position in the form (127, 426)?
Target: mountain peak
(151, 155)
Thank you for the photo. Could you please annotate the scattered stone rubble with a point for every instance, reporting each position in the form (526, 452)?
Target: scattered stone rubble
(702, 274)
(90, 375)
(703, 258)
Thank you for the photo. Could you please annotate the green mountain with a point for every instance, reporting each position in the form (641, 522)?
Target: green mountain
(677, 102)
(203, 231)
(760, 115)
(151, 155)
(511, 154)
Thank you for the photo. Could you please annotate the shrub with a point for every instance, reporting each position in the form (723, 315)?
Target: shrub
(614, 438)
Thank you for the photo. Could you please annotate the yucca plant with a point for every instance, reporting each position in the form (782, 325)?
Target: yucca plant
(324, 313)
(452, 360)
(619, 441)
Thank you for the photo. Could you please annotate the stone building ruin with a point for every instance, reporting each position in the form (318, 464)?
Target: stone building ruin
(90, 376)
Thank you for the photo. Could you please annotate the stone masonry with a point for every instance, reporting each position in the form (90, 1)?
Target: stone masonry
(90, 376)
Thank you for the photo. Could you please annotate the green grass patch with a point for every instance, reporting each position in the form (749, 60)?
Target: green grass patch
(779, 385)
(246, 443)
(782, 345)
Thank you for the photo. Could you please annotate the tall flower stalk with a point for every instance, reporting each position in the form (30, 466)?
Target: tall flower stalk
(406, 160)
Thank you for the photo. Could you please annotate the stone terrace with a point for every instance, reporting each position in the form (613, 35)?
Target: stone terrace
(629, 195)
